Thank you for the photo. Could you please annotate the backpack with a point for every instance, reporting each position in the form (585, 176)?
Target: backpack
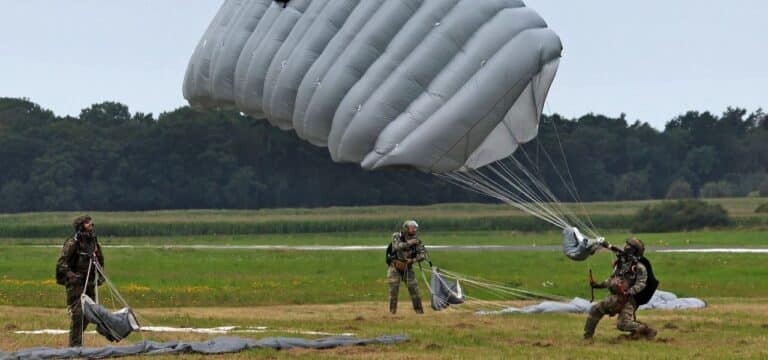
(651, 284)
(390, 254)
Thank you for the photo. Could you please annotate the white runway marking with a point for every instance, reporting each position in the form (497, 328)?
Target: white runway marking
(716, 250)
(429, 247)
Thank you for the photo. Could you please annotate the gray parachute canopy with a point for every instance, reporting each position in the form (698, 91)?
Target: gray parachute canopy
(438, 85)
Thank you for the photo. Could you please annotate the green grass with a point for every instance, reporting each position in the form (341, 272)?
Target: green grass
(173, 277)
(607, 215)
(346, 292)
(748, 238)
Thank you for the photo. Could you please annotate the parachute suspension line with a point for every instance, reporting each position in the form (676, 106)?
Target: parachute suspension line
(476, 181)
(116, 295)
(499, 293)
(496, 288)
(575, 192)
(564, 211)
(536, 180)
(512, 182)
(519, 196)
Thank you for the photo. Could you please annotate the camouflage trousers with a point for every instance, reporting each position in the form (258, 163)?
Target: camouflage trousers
(78, 322)
(394, 278)
(611, 306)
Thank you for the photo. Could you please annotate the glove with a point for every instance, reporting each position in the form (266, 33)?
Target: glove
(413, 242)
(594, 284)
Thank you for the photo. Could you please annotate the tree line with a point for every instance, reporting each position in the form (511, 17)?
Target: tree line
(108, 158)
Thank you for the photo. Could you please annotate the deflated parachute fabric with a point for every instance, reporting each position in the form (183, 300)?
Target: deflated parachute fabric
(444, 292)
(660, 300)
(577, 246)
(219, 345)
(438, 85)
(114, 326)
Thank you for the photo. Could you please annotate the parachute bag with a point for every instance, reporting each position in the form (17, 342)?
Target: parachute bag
(578, 247)
(114, 326)
(651, 284)
(444, 292)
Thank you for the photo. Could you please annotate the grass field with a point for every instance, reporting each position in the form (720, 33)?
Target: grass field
(345, 291)
(445, 217)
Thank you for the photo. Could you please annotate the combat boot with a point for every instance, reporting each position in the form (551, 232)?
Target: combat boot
(417, 306)
(393, 306)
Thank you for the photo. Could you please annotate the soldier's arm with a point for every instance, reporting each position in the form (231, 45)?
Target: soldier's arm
(421, 253)
(603, 284)
(642, 279)
(398, 245)
(67, 252)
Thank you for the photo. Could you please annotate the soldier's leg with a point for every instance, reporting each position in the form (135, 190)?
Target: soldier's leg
(393, 278)
(595, 314)
(76, 316)
(413, 290)
(627, 322)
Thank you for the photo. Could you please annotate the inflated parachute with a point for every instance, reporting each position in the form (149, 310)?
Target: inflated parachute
(438, 85)
(450, 87)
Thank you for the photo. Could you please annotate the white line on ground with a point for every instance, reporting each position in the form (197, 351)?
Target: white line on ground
(213, 330)
(430, 247)
(716, 250)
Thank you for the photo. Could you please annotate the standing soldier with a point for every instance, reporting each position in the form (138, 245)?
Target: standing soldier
(74, 268)
(405, 250)
(630, 277)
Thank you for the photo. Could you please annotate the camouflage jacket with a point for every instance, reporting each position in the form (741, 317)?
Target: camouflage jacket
(75, 258)
(631, 276)
(403, 251)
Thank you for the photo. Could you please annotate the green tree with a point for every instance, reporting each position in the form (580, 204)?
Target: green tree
(717, 189)
(679, 189)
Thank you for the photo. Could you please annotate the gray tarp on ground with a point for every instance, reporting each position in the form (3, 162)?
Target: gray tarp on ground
(219, 345)
(444, 292)
(438, 85)
(660, 300)
(115, 326)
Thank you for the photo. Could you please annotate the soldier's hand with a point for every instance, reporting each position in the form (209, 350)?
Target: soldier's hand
(413, 242)
(593, 284)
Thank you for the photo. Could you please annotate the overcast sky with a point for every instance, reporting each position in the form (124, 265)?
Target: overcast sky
(651, 59)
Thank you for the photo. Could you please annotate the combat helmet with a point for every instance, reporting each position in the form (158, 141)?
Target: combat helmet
(638, 248)
(408, 223)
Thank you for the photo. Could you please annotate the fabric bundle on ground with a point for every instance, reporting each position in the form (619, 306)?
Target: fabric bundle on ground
(219, 345)
(444, 292)
(669, 301)
(115, 326)
(660, 300)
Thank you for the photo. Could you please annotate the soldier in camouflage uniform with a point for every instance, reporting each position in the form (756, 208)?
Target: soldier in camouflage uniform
(628, 279)
(407, 249)
(72, 271)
